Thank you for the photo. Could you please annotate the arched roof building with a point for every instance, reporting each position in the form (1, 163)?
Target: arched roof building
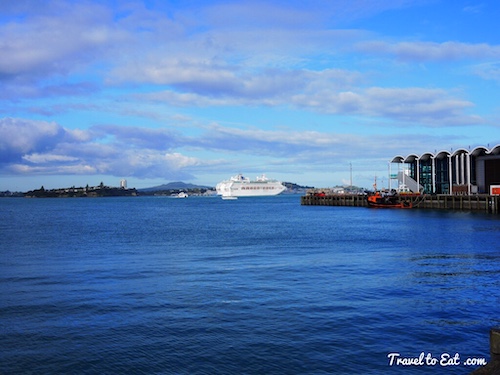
(462, 171)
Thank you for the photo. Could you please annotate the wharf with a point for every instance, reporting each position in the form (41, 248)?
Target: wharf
(476, 202)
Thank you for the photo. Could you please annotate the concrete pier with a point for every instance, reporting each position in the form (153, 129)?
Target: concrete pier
(476, 202)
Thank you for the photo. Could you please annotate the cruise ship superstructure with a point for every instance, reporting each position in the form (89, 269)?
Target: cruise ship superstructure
(240, 186)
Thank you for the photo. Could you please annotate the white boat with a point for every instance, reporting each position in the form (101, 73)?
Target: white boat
(240, 186)
(182, 194)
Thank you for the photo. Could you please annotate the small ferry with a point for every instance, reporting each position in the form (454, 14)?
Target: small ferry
(392, 199)
(182, 194)
(387, 200)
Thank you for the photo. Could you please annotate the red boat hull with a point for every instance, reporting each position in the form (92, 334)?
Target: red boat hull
(378, 200)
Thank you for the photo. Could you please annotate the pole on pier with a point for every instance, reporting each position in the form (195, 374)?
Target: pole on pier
(350, 170)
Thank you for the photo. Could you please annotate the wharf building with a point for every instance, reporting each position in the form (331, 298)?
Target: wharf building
(459, 172)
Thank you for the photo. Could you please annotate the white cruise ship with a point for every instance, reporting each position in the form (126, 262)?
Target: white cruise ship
(239, 186)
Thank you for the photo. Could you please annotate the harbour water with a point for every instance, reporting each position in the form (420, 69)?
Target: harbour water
(151, 285)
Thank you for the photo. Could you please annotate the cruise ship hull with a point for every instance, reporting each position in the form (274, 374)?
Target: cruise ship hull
(239, 186)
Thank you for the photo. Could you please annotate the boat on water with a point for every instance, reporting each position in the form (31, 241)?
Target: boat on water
(240, 186)
(394, 199)
(387, 200)
(182, 194)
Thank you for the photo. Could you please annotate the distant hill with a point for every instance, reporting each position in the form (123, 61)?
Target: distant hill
(79, 192)
(178, 185)
(293, 186)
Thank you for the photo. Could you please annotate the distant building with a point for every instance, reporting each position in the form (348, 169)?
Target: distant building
(123, 184)
(463, 171)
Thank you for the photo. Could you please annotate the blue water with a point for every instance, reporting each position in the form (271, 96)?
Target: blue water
(253, 286)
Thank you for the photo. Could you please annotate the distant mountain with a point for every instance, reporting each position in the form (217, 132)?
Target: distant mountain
(293, 186)
(179, 185)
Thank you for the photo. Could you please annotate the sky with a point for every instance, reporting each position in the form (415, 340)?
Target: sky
(310, 92)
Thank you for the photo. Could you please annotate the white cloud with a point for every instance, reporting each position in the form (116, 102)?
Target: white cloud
(417, 106)
(37, 158)
(18, 137)
(39, 147)
(416, 51)
(57, 40)
(487, 71)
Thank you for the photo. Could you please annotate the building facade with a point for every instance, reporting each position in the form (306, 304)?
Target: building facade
(462, 171)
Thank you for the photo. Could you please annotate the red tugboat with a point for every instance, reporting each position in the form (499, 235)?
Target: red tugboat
(387, 200)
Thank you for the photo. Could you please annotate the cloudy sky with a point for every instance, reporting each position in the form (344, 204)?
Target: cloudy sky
(197, 91)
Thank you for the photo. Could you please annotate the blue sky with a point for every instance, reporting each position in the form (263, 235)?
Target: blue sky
(196, 91)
